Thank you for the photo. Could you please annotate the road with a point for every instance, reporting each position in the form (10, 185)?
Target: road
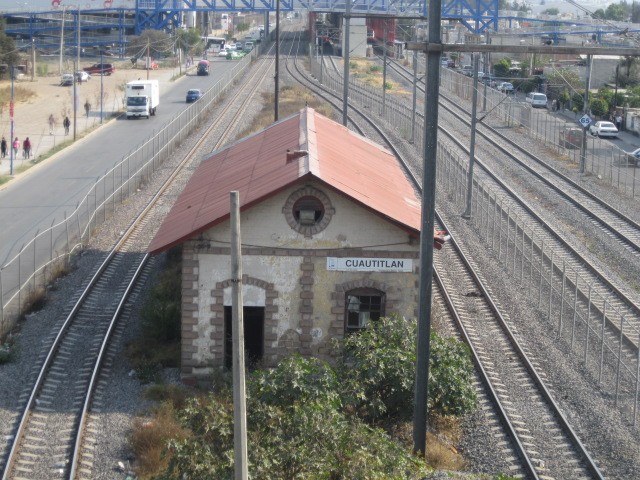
(32, 202)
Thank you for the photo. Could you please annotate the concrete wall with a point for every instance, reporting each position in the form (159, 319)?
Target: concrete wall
(357, 37)
(286, 272)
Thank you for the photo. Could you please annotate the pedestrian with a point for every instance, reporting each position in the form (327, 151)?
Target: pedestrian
(3, 147)
(26, 148)
(16, 147)
(66, 123)
(619, 122)
(52, 123)
(87, 108)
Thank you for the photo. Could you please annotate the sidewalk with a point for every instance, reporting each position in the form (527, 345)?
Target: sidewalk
(31, 116)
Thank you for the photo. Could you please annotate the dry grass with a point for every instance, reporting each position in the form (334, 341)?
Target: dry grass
(149, 437)
(291, 100)
(20, 94)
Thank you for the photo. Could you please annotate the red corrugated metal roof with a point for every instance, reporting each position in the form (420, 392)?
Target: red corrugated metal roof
(257, 168)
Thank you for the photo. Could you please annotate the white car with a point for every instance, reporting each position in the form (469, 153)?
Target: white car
(603, 129)
(633, 158)
(223, 52)
(536, 99)
(82, 76)
(506, 87)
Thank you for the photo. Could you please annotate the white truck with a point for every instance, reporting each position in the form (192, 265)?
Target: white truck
(143, 97)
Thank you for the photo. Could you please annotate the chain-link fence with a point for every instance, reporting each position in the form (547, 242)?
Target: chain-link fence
(596, 328)
(24, 277)
(559, 134)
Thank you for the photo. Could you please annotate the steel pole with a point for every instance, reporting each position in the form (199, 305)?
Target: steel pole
(12, 126)
(585, 110)
(345, 56)
(101, 88)
(428, 223)
(276, 78)
(472, 146)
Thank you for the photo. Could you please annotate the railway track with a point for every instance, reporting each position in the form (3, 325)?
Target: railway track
(524, 406)
(48, 438)
(621, 313)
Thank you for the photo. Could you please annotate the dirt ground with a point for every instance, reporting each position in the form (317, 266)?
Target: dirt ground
(31, 116)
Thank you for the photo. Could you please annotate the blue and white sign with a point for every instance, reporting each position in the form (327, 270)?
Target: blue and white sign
(357, 264)
(585, 120)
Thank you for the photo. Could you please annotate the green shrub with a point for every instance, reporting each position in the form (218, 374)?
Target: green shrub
(7, 352)
(388, 85)
(375, 68)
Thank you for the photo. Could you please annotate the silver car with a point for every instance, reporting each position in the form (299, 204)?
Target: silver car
(603, 129)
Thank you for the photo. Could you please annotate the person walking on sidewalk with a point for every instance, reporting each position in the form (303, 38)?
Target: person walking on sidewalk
(87, 108)
(3, 147)
(52, 123)
(26, 148)
(619, 122)
(16, 147)
(66, 123)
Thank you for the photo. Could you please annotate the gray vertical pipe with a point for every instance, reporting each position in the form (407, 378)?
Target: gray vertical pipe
(345, 56)
(585, 110)
(428, 222)
(384, 69)
(239, 393)
(415, 95)
(472, 146)
(277, 74)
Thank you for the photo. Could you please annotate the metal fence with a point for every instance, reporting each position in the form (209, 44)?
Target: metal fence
(26, 275)
(606, 161)
(582, 319)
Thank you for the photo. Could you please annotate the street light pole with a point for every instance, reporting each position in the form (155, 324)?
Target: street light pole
(101, 87)
(11, 105)
(75, 101)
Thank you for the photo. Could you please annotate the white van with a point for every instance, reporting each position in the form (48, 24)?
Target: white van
(537, 99)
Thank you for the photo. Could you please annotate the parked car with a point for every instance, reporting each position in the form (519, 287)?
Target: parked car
(536, 99)
(223, 52)
(603, 129)
(66, 79)
(193, 95)
(248, 46)
(100, 69)
(633, 158)
(467, 70)
(506, 87)
(571, 137)
(239, 46)
(82, 76)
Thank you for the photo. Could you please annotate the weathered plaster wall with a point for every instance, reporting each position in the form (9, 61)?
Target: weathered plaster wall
(286, 272)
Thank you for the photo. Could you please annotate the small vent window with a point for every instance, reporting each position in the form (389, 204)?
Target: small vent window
(308, 211)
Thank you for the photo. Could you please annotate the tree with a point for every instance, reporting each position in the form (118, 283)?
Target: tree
(189, 41)
(501, 69)
(560, 80)
(617, 12)
(599, 106)
(378, 371)
(8, 52)
(159, 43)
(598, 14)
(551, 11)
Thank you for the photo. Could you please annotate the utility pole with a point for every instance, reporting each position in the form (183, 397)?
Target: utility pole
(12, 127)
(75, 101)
(345, 56)
(414, 97)
(33, 58)
(148, 60)
(237, 332)
(276, 77)
(585, 110)
(78, 40)
(472, 146)
(427, 228)
(62, 40)
(101, 89)
(384, 69)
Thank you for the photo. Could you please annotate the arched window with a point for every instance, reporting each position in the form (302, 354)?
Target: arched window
(362, 306)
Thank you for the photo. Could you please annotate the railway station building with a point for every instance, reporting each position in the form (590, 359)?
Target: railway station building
(330, 230)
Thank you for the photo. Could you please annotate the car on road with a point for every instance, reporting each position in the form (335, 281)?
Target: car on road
(536, 99)
(193, 94)
(633, 158)
(506, 87)
(467, 70)
(66, 79)
(223, 52)
(248, 46)
(82, 76)
(100, 69)
(603, 129)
